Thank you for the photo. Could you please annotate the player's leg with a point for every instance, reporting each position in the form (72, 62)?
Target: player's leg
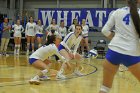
(135, 70)
(28, 44)
(38, 64)
(109, 71)
(32, 43)
(39, 40)
(86, 43)
(78, 59)
(66, 55)
(18, 44)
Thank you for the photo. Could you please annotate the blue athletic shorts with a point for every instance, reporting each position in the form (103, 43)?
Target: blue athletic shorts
(118, 58)
(39, 35)
(60, 47)
(32, 60)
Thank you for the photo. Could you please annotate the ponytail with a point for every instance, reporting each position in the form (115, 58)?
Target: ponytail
(134, 14)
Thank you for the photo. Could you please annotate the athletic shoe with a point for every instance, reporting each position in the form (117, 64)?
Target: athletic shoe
(44, 78)
(60, 76)
(34, 81)
(78, 73)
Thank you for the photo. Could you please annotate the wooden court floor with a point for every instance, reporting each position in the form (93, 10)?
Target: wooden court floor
(15, 73)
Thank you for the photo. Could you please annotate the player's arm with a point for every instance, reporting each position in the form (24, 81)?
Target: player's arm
(66, 40)
(108, 26)
(77, 45)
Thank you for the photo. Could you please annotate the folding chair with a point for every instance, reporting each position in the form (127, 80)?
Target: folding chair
(100, 47)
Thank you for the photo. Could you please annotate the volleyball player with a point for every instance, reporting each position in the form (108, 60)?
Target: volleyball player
(62, 30)
(40, 58)
(72, 27)
(68, 49)
(18, 29)
(52, 26)
(124, 47)
(85, 36)
(30, 34)
(39, 33)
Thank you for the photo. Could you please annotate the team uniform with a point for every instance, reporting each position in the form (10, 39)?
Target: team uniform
(70, 43)
(63, 31)
(30, 29)
(85, 31)
(44, 53)
(54, 27)
(39, 31)
(71, 28)
(124, 48)
(18, 29)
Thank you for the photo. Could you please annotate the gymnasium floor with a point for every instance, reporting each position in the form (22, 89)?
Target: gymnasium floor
(15, 73)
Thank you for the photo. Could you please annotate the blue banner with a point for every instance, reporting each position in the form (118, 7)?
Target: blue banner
(94, 16)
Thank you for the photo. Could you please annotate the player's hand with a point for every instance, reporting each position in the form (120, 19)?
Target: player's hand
(71, 55)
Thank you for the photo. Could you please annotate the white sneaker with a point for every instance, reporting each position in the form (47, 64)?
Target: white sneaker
(34, 81)
(44, 78)
(78, 73)
(60, 76)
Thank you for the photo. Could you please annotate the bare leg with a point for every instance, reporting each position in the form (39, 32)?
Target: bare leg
(135, 70)
(109, 71)
(32, 41)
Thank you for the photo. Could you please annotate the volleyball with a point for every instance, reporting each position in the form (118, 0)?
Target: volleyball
(93, 53)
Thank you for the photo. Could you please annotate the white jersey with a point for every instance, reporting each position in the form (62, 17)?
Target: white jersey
(39, 29)
(30, 29)
(71, 42)
(63, 31)
(45, 52)
(54, 27)
(126, 39)
(71, 28)
(85, 30)
(18, 29)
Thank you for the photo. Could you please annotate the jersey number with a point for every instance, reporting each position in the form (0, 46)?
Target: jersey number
(126, 19)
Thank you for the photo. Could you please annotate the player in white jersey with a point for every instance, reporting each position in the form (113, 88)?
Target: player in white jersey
(30, 34)
(68, 49)
(40, 58)
(52, 26)
(72, 27)
(62, 30)
(85, 36)
(124, 47)
(39, 33)
(18, 29)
